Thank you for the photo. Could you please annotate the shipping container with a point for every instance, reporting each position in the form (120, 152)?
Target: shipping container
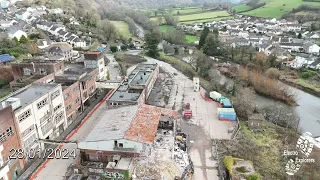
(221, 98)
(225, 110)
(226, 103)
(227, 116)
(214, 95)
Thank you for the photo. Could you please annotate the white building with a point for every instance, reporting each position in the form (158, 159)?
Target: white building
(16, 33)
(302, 60)
(41, 113)
(311, 48)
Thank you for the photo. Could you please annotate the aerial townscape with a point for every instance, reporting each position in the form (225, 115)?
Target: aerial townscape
(159, 90)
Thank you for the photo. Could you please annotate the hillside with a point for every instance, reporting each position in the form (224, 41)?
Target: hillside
(273, 8)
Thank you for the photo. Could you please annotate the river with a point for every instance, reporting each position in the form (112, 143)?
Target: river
(308, 109)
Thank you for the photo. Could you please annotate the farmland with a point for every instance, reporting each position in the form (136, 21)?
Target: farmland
(204, 15)
(207, 20)
(174, 11)
(275, 8)
(240, 8)
(123, 28)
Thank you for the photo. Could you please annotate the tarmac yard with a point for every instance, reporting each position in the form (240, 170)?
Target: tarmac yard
(202, 127)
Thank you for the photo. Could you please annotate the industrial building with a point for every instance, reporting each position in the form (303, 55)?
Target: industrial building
(39, 113)
(122, 134)
(135, 88)
(78, 87)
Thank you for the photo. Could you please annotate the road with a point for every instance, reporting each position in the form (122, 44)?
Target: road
(140, 31)
(113, 67)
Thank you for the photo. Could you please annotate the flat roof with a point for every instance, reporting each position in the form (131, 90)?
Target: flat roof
(112, 124)
(124, 96)
(124, 164)
(33, 92)
(138, 76)
(138, 123)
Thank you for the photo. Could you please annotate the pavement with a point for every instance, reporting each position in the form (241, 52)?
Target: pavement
(113, 67)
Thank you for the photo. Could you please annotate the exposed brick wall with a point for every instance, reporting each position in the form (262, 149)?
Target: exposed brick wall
(55, 67)
(73, 93)
(12, 142)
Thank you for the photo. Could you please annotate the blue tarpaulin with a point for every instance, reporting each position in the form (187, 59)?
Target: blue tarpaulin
(100, 49)
(6, 58)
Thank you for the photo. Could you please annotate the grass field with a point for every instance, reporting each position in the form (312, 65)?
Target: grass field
(165, 28)
(207, 20)
(277, 8)
(240, 8)
(123, 28)
(318, 42)
(189, 38)
(203, 15)
(185, 10)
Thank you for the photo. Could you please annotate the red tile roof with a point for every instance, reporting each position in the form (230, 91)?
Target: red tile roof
(144, 126)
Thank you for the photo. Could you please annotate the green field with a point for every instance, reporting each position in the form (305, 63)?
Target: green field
(174, 11)
(123, 28)
(203, 15)
(165, 28)
(318, 42)
(277, 8)
(240, 8)
(189, 38)
(207, 20)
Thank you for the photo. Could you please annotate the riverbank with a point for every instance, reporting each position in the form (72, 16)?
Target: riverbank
(290, 82)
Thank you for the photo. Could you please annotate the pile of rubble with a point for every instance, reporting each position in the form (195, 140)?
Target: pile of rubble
(160, 163)
(180, 154)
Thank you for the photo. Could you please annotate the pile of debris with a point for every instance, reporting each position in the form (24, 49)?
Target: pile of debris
(180, 153)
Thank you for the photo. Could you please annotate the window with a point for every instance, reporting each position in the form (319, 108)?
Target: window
(58, 117)
(9, 131)
(42, 103)
(26, 71)
(69, 119)
(55, 94)
(78, 99)
(66, 96)
(42, 71)
(30, 141)
(76, 89)
(3, 137)
(121, 145)
(24, 115)
(46, 128)
(68, 107)
(27, 131)
(57, 107)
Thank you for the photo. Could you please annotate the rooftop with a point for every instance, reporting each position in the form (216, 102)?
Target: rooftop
(134, 123)
(33, 92)
(124, 164)
(113, 124)
(138, 77)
